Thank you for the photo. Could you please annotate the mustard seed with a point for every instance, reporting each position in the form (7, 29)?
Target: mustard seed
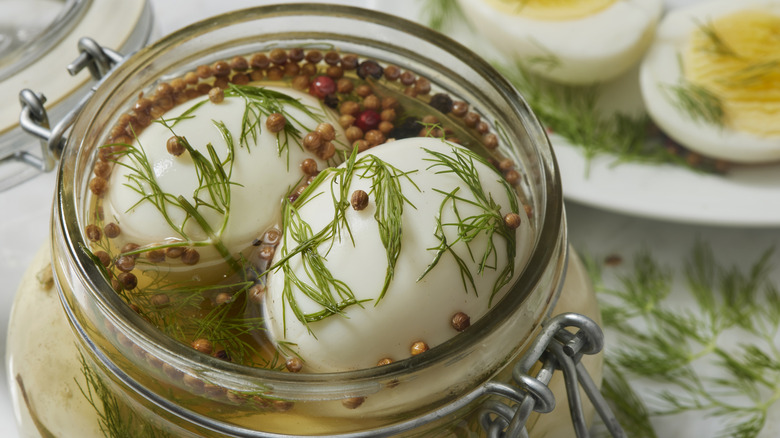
(275, 122)
(155, 256)
(346, 121)
(309, 166)
(294, 364)
(260, 61)
(327, 131)
(221, 68)
(160, 301)
(359, 200)
(460, 321)
(175, 145)
(326, 151)
(222, 298)
(312, 141)
(203, 345)
(353, 402)
(127, 280)
(174, 252)
(125, 263)
(256, 293)
(93, 232)
(512, 220)
(216, 95)
(98, 186)
(418, 347)
(190, 256)
(104, 258)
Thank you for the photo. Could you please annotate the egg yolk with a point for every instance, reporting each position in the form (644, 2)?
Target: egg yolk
(552, 9)
(737, 59)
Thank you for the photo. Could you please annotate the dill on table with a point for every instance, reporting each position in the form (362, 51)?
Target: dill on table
(688, 354)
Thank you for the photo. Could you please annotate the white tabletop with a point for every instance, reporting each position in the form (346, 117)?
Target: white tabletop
(25, 215)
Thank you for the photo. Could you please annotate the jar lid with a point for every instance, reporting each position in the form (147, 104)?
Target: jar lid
(38, 39)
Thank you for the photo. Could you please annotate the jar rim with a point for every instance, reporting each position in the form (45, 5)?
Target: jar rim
(550, 233)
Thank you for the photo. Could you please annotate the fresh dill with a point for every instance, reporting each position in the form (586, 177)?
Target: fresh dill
(488, 223)
(115, 418)
(716, 44)
(677, 349)
(439, 14)
(698, 102)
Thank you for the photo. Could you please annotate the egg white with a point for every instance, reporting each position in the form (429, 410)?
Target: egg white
(595, 48)
(661, 69)
(412, 309)
(261, 177)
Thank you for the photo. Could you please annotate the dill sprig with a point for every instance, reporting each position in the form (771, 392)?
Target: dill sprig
(312, 246)
(115, 418)
(487, 223)
(675, 346)
(439, 14)
(698, 102)
(261, 101)
(716, 43)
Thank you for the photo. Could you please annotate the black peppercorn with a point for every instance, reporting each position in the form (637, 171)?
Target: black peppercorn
(441, 102)
(369, 68)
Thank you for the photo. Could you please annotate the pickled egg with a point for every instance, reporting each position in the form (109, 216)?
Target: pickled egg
(432, 295)
(574, 42)
(262, 167)
(711, 80)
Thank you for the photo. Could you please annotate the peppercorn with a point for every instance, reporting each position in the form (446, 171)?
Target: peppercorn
(418, 347)
(460, 321)
(294, 364)
(441, 102)
(367, 120)
(410, 127)
(322, 86)
(331, 101)
(104, 258)
(203, 345)
(359, 200)
(512, 220)
(190, 256)
(93, 232)
(369, 68)
(175, 145)
(275, 122)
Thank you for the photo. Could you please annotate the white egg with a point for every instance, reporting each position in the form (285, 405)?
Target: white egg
(414, 307)
(747, 131)
(261, 173)
(575, 42)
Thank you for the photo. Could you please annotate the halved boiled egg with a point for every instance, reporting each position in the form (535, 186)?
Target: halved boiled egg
(711, 80)
(569, 41)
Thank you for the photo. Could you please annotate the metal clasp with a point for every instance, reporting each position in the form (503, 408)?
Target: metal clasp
(556, 348)
(34, 119)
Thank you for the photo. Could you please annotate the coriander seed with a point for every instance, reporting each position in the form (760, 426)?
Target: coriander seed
(418, 348)
(175, 145)
(460, 321)
(216, 95)
(190, 256)
(512, 220)
(275, 122)
(294, 364)
(359, 200)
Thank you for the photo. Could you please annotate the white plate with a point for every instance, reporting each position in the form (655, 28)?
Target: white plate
(746, 196)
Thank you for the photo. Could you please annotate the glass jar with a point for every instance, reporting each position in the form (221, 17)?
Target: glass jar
(119, 374)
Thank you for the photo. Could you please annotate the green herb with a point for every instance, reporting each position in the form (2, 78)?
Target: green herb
(717, 45)
(115, 417)
(260, 101)
(698, 102)
(332, 294)
(488, 223)
(439, 14)
(672, 346)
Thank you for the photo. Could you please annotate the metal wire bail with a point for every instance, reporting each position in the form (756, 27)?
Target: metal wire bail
(34, 119)
(557, 348)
